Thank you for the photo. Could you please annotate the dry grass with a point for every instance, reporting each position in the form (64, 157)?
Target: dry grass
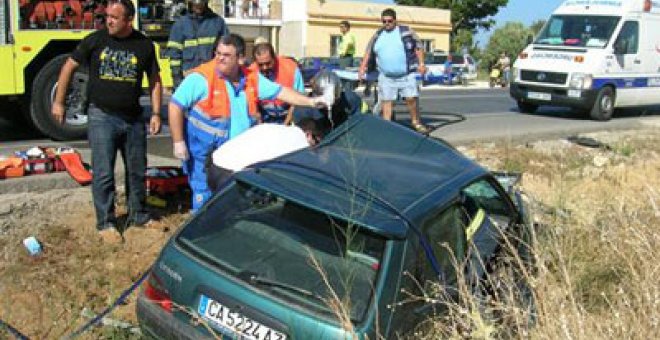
(597, 254)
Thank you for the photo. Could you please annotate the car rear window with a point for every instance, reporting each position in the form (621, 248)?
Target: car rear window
(248, 230)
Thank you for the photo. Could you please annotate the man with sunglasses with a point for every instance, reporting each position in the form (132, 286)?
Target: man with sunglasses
(281, 70)
(118, 57)
(216, 102)
(396, 52)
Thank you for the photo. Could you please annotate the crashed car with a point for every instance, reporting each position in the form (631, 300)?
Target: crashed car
(327, 242)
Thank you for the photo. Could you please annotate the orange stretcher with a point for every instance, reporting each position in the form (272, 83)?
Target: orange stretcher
(75, 167)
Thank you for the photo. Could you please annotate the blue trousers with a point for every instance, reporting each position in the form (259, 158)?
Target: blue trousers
(107, 134)
(203, 136)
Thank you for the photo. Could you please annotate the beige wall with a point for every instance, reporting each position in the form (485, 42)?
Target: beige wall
(291, 39)
(324, 17)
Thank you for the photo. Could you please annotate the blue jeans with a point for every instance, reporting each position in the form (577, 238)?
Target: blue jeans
(107, 134)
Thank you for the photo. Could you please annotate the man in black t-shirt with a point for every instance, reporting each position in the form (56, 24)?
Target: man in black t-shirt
(117, 57)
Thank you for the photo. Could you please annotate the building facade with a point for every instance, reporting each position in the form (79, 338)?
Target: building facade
(310, 28)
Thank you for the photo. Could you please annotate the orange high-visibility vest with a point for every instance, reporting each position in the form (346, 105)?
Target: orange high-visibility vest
(217, 104)
(285, 74)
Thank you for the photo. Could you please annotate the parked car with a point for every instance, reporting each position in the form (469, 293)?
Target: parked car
(310, 66)
(363, 217)
(464, 68)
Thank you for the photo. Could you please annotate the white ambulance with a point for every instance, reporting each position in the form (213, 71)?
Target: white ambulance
(592, 55)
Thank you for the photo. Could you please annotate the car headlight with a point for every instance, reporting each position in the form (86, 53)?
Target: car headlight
(515, 75)
(582, 81)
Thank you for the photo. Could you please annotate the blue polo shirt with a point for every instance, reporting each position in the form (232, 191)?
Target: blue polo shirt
(390, 54)
(194, 88)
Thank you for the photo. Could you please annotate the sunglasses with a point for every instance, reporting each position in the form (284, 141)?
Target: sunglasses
(387, 21)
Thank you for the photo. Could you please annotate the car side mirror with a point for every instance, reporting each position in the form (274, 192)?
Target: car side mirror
(530, 39)
(620, 47)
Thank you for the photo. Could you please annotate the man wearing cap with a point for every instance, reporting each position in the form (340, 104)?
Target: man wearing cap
(191, 39)
(281, 70)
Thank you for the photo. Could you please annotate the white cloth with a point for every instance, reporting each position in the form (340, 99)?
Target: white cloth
(260, 143)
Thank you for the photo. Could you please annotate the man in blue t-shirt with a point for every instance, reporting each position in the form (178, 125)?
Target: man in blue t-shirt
(217, 102)
(397, 53)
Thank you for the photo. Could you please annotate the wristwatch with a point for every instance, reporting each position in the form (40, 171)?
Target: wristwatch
(155, 114)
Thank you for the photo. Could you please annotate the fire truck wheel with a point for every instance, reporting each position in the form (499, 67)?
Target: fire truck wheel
(43, 94)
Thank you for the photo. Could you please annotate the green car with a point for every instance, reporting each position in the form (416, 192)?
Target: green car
(324, 243)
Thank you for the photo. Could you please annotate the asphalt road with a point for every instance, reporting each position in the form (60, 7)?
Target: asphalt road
(467, 114)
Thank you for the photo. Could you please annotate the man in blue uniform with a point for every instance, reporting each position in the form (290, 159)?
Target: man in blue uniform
(217, 102)
(191, 39)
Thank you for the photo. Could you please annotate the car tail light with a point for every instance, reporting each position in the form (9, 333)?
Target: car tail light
(154, 291)
(522, 55)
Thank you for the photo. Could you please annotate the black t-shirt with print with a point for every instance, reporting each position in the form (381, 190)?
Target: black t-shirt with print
(116, 67)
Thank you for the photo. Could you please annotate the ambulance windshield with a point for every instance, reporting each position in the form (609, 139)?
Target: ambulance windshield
(578, 30)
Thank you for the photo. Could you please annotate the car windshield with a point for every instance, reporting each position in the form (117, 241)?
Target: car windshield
(578, 30)
(249, 231)
(441, 58)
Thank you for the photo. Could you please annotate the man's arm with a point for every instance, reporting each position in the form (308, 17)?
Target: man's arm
(419, 52)
(294, 98)
(420, 56)
(175, 119)
(156, 91)
(58, 108)
(366, 57)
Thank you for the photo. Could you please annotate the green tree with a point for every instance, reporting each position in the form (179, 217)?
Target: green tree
(510, 38)
(465, 14)
(536, 26)
(463, 39)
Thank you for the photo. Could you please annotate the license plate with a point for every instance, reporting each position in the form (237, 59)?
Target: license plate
(235, 324)
(574, 93)
(538, 95)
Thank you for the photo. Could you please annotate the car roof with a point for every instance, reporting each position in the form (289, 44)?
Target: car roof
(372, 172)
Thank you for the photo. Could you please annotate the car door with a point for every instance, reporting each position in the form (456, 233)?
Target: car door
(491, 216)
(442, 247)
(627, 65)
(649, 54)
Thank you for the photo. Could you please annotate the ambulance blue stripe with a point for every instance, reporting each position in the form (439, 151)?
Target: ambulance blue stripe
(626, 82)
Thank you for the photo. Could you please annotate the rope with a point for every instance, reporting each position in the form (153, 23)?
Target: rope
(110, 308)
(13, 331)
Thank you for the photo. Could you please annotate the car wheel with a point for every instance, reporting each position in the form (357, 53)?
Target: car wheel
(604, 104)
(525, 107)
(43, 94)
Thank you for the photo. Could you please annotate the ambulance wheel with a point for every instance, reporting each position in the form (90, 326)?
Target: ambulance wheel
(604, 104)
(525, 107)
(44, 88)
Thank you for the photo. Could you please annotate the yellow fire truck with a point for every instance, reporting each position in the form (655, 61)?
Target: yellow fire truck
(36, 37)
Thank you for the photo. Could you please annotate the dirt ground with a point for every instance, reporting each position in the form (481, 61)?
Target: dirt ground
(44, 296)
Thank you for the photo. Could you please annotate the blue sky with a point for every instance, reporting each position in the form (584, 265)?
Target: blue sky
(525, 11)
